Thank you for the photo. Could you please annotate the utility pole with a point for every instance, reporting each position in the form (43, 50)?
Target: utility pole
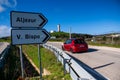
(112, 38)
(70, 32)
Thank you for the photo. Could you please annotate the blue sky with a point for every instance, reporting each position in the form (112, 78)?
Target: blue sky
(83, 16)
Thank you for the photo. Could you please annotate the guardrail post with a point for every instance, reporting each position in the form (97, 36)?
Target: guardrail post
(57, 56)
(61, 55)
(64, 65)
(65, 61)
(69, 63)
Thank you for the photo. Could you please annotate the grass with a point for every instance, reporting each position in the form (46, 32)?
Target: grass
(49, 62)
(108, 45)
(12, 67)
(5, 40)
(57, 40)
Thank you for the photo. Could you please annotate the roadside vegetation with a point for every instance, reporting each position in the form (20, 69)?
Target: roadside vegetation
(105, 40)
(12, 67)
(5, 39)
(103, 44)
(97, 40)
(49, 62)
(62, 36)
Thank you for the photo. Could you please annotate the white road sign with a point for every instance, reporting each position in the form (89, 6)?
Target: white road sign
(27, 19)
(29, 36)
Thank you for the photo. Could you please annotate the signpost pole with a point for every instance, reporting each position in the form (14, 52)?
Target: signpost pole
(40, 62)
(21, 59)
(21, 28)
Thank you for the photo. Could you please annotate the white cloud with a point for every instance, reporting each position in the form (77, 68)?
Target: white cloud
(7, 3)
(1, 8)
(4, 30)
(13, 3)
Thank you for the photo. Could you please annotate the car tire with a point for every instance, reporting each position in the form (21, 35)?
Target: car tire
(71, 50)
(63, 48)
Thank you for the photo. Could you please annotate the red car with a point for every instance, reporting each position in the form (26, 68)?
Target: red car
(75, 45)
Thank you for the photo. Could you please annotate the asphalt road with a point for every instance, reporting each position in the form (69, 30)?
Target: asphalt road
(105, 60)
(3, 45)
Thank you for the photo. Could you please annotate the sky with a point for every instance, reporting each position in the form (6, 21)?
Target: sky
(82, 16)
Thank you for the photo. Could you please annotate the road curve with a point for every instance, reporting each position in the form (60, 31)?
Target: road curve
(105, 60)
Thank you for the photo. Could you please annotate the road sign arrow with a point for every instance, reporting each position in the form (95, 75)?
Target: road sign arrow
(28, 36)
(27, 19)
(47, 36)
(44, 20)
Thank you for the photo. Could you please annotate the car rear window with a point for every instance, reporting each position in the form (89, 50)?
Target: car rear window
(79, 41)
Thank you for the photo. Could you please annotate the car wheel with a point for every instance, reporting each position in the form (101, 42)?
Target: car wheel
(63, 48)
(71, 50)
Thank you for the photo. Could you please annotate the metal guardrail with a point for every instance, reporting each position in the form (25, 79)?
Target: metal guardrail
(3, 56)
(70, 65)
